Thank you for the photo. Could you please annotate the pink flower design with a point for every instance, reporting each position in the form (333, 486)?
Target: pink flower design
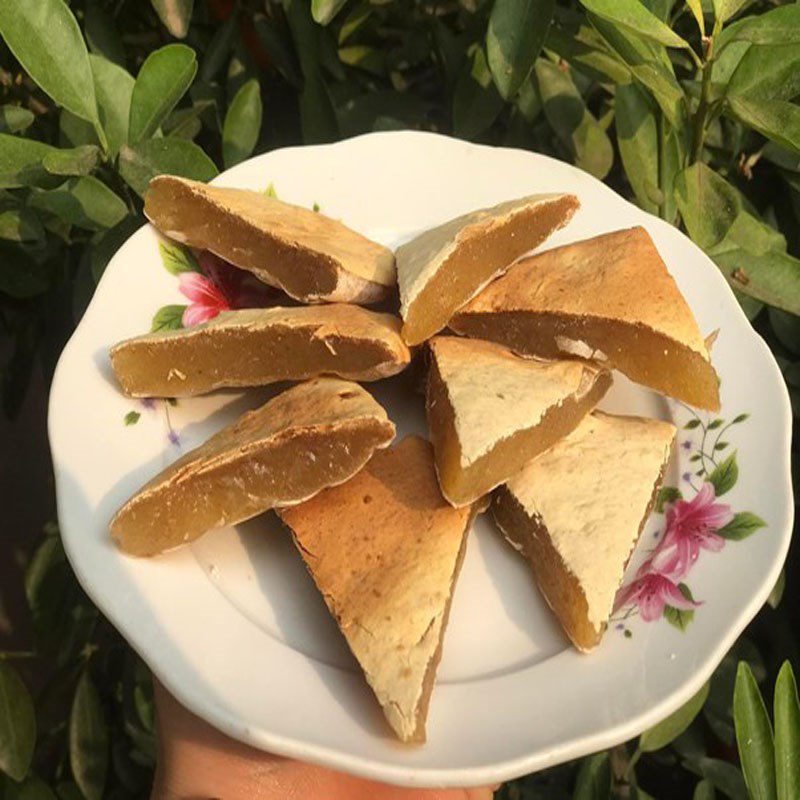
(651, 592)
(691, 527)
(241, 288)
(207, 299)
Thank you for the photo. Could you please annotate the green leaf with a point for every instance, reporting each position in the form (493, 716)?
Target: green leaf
(131, 418)
(14, 119)
(692, 424)
(142, 162)
(637, 137)
(787, 735)
(20, 225)
(585, 50)
(32, 788)
(754, 736)
(219, 48)
(633, 16)
(21, 276)
(176, 259)
(724, 475)
(21, 162)
(674, 725)
(113, 86)
(363, 57)
(725, 9)
(17, 724)
(175, 15)
(324, 11)
(242, 124)
(101, 33)
(163, 79)
(567, 114)
(594, 778)
(743, 524)
(768, 72)
(776, 595)
(76, 161)
(88, 740)
(704, 791)
(516, 32)
(724, 776)
(279, 52)
(476, 102)
(85, 202)
(778, 26)
(775, 119)
(46, 39)
(168, 318)
(677, 617)
(667, 495)
(353, 21)
(696, 7)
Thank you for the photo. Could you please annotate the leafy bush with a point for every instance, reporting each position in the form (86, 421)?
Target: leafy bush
(686, 107)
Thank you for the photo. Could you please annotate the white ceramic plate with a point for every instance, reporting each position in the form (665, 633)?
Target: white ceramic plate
(233, 625)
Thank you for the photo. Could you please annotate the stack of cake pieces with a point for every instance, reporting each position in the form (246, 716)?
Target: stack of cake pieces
(511, 405)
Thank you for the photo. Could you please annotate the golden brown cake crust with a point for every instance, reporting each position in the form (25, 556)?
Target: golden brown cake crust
(384, 550)
(307, 416)
(349, 341)
(310, 256)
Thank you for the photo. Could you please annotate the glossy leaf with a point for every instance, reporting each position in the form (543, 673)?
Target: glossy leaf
(280, 54)
(46, 39)
(75, 161)
(101, 33)
(21, 162)
(634, 16)
(163, 79)
(787, 735)
(14, 119)
(725, 9)
(572, 122)
(218, 51)
(775, 119)
(778, 26)
(585, 50)
(85, 202)
(175, 15)
(674, 725)
(17, 724)
(476, 102)
(516, 32)
(768, 71)
(113, 87)
(637, 137)
(696, 7)
(88, 740)
(142, 162)
(20, 225)
(594, 778)
(242, 124)
(725, 777)
(754, 736)
(324, 11)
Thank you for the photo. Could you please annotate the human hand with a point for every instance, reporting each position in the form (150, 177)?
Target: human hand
(196, 761)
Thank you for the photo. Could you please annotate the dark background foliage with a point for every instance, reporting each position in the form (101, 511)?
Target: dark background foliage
(687, 108)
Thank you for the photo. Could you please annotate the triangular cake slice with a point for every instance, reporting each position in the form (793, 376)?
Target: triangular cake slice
(611, 299)
(490, 411)
(254, 347)
(313, 258)
(576, 512)
(444, 267)
(314, 435)
(385, 550)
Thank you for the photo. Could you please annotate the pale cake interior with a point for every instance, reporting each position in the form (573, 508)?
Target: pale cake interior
(464, 483)
(182, 366)
(643, 354)
(232, 490)
(477, 259)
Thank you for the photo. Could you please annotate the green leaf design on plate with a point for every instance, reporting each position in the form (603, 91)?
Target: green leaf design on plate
(131, 418)
(714, 424)
(743, 524)
(678, 617)
(675, 724)
(740, 418)
(725, 475)
(176, 259)
(168, 318)
(692, 424)
(667, 495)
